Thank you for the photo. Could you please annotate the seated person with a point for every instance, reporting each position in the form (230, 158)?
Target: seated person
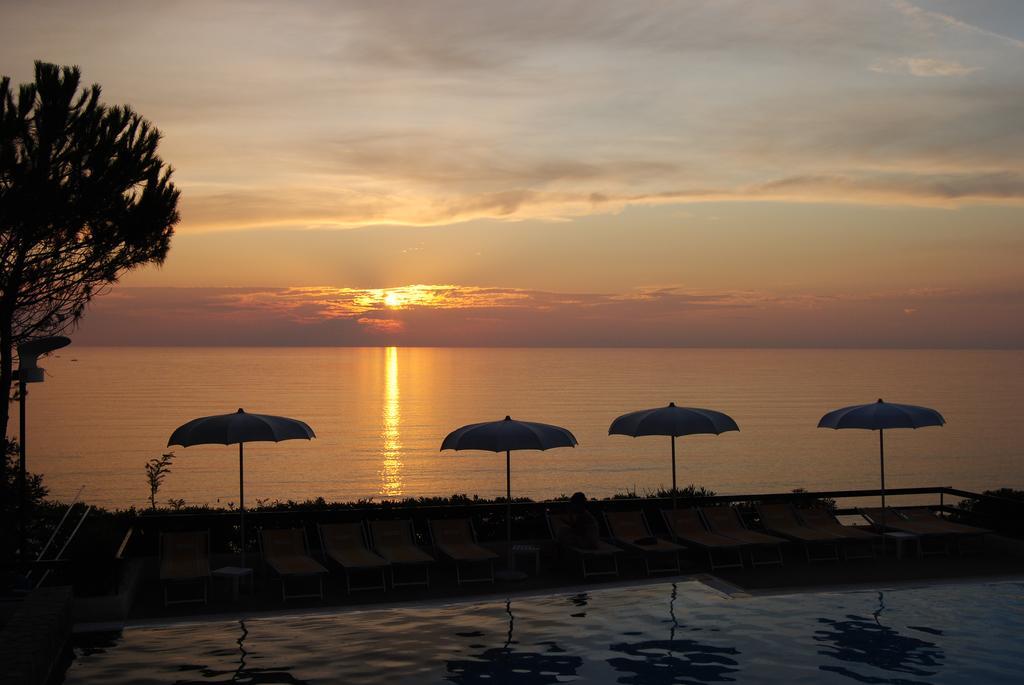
(579, 527)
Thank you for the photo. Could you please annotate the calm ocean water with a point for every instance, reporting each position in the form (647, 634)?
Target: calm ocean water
(380, 415)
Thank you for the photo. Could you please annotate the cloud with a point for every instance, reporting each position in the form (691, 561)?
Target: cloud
(321, 208)
(342, 114)
(931, 20)
(900, 188)
(923, 66)
(460, 315)
(383, 326)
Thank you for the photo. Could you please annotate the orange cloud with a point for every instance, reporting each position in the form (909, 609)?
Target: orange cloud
(521, 111)
(455, 315)
(381, 325)
(310, 207)
(311, 304)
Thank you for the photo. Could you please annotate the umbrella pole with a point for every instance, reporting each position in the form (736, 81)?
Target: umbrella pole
(241, 495)
(509, 573)
(674, 491)
(508, 504)
(881, 465)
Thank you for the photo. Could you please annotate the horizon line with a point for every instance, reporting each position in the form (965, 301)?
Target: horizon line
(980, 348)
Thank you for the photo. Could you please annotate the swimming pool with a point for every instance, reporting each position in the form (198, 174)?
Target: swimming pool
(683, 632)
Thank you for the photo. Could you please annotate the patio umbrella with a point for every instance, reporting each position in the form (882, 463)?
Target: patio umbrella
(239, 427)
(505, 436)
(879, 416)
(675, 422)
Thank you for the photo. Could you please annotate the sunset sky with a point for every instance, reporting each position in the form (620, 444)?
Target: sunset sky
(793, 173)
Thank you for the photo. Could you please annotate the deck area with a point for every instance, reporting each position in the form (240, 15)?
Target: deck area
(794, 575)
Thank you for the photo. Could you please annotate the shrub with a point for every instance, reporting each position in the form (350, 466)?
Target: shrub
(35, 494)
(156, 470)
(1004, 514)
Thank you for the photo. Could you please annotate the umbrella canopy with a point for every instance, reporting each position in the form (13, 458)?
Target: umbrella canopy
(504, 436)
(507, 435)
(239, 427)
(879, 416)
(674, 422)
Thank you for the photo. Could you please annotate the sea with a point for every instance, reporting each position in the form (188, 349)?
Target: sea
(380, 415)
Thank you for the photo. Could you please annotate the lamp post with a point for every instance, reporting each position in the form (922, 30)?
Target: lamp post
(29, 371)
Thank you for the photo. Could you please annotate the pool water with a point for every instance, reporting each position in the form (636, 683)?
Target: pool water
(682, 632)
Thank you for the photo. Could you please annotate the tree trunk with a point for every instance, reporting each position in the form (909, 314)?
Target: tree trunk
(8, 301)
(6, 370)
(6, 373)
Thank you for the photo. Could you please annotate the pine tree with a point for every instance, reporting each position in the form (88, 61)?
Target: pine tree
(83, 199)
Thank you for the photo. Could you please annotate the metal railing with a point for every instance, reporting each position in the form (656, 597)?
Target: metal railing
(528, 517)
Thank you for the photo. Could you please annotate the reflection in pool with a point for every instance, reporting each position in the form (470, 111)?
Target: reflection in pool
(242, 673)
(657, 662)
(858, 640)
(651, 634)
(505, 664)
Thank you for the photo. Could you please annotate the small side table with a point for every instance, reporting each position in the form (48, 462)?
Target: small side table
(235, 574)
(901, 540)
(528, 550)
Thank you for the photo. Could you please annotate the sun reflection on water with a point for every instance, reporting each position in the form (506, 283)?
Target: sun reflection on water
(391, 453)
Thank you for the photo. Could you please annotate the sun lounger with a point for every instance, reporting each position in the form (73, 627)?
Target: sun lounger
(930, 540)
(926, 517)
(962, 534)
(686, 525)
(456, 539)
(345, 544)
(286, 552)
(935, 533)
(602, 552)
(726, 521)
(394, 541)
(893, 520)
(822, 519)
(779, 519)
(185, 558)
(630, 530)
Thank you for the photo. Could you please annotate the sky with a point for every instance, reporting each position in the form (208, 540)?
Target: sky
(797, 173)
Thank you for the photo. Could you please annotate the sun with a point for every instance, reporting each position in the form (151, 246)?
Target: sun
(408, 296)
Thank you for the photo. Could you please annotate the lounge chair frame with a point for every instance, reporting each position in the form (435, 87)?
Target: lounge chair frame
(928, 540)
(350, 571)
(203, 579)
(608, 552)
(394, 565)
(666, 515)
(459, 579)
(792, 533)
(958, 533)
(319, 575)
(853, 540)
(425, 581)
(770, 543)
(646, 553)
